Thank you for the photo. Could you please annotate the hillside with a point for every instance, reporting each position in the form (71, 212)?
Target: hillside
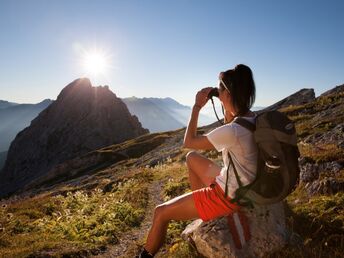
(100, 203)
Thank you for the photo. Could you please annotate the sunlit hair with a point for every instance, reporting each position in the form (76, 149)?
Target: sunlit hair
(239, 81)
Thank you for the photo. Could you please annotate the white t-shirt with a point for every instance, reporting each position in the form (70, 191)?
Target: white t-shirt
(240, 143)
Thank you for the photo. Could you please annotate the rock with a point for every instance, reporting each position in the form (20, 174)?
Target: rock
(303, 96)
(335, 90)
(268, 234)
(333, 136)
(328, 185)
(310, 172)
(82, 119)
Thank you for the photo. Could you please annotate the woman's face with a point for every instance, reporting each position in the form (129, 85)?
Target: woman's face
(225, 97)
(223, 93)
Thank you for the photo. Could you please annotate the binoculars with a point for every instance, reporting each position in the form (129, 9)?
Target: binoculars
(213, 93)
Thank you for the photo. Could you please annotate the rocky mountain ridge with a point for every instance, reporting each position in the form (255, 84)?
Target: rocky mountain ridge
(83, 118)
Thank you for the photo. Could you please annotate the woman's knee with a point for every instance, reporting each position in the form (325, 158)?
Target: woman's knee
(160, 213)
(190, 156)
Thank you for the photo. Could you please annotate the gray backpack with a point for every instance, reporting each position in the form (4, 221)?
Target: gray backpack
(277, 166)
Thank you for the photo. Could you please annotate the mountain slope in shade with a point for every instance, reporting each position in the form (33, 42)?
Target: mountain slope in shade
(3, 156)
(162, 114)
(6, 104)
(15, 117)
(83, 118)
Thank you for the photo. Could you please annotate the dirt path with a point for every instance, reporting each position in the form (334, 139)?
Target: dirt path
(127, 242)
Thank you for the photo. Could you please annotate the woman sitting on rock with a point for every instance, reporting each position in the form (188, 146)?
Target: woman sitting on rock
(208, 180)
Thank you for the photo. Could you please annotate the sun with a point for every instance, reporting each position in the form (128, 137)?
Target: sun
(95, 62)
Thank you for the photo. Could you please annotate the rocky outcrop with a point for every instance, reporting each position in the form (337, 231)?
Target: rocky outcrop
(268, 234)
(82, 119)
(327, 185)
(298, 98)
(321, 137)
(321, 178)
(335, 90)
(332, 136)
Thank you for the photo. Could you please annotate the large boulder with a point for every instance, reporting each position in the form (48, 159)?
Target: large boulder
(267, 227)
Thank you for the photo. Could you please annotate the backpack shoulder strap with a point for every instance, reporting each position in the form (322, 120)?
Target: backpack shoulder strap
(244, 123)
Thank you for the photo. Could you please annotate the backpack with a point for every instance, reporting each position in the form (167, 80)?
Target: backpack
(277, 166)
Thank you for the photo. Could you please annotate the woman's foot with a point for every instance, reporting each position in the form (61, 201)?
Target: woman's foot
(144, 254)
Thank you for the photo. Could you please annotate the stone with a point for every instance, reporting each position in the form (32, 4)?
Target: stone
(328, 185)
(268, 234)
(334, 136)
(335, 90)
(309, 172)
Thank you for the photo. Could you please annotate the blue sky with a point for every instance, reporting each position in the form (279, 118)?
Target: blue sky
(170, 48)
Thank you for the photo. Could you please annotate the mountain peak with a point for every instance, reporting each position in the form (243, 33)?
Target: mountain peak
(300, 97)
(78, 86)
(82, 119)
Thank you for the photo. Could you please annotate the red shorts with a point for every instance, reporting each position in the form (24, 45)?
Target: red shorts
(211, 203)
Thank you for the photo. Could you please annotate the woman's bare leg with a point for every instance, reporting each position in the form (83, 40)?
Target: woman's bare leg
(179, 208)
(202, 171)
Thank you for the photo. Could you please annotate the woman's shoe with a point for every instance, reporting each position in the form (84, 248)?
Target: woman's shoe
(144, 254)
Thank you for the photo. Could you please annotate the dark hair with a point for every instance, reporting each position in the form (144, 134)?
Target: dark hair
(241, 85)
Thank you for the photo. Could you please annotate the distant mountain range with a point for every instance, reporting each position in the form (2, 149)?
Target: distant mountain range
(6, 104)
(162, 114)
(15, 117)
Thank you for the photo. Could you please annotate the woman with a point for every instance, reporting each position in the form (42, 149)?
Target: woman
(208, 180)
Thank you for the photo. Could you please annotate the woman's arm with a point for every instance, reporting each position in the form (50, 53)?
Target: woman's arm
(191, 139)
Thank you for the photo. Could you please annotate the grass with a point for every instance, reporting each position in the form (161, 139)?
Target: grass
(79, 220)
(176, 184)
(319, 104)
(319, 221)
(321, 153)
(312, 126)
(305, 119)
(137, 147)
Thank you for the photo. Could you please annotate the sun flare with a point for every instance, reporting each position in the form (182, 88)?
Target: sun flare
(95, 62)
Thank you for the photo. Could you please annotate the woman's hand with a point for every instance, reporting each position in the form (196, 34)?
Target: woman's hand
(202, 97)
(191, 139)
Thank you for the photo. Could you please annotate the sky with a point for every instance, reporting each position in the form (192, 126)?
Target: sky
(169, 48)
